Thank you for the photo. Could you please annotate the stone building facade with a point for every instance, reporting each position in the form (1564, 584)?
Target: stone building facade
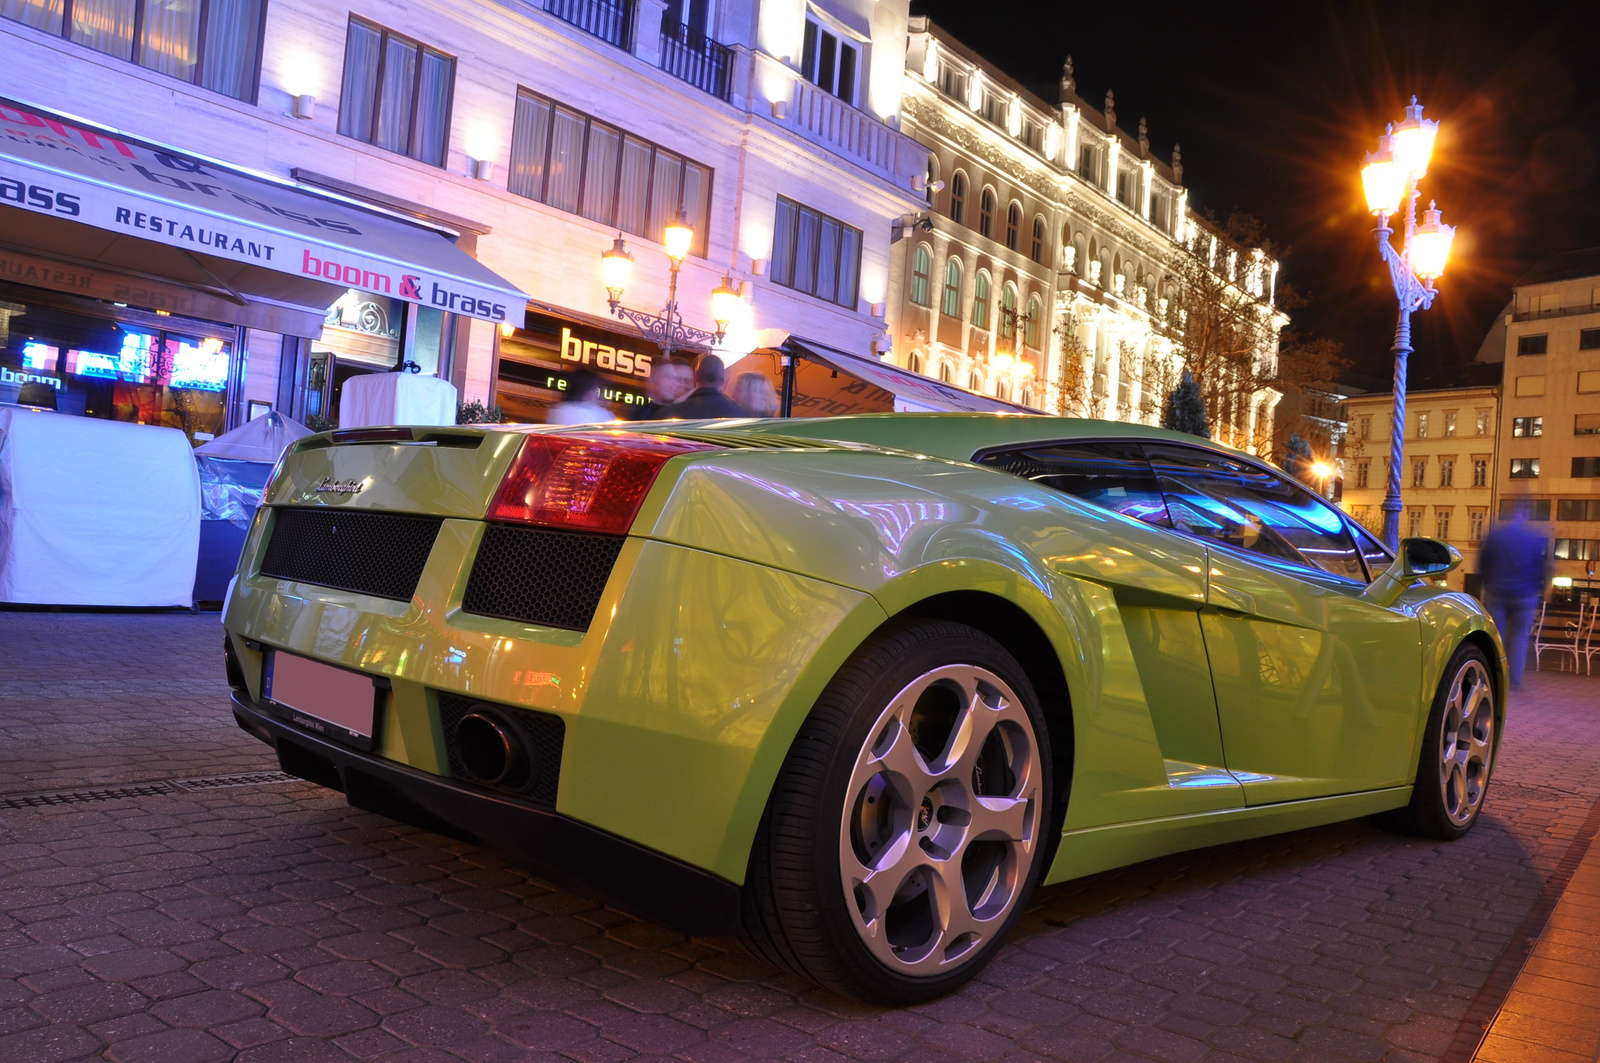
(1044, 263)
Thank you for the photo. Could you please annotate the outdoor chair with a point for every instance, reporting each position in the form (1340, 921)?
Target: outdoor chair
(1557, 634)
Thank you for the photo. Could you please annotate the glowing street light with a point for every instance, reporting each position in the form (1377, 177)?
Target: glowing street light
(1389, 178)
(667, 328)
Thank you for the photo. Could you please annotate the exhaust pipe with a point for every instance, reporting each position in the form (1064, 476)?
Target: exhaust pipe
(491, 751)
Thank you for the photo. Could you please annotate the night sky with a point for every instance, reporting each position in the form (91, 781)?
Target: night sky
(1276, 103)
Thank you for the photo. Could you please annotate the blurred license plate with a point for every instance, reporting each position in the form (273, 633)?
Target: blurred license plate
(332, 702)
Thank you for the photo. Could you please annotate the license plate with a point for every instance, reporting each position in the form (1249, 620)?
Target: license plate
(332, 702)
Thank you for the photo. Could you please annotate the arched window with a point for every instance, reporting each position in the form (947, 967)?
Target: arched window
(1030, 328)
(1027, 398)
(1008, 311)
(986, 213)
(947, 374)
(975, 381)
(980, 300)
(1002, 390)
(958, 198)
(914, 363)
(950, 305)
(921, 272)
(1036, 251)
(1013, 224)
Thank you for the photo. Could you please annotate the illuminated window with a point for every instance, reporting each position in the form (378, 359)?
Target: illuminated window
(921, 275)
(1422, 426)
(1419, 473)
(958, 198)
(980, 300)
(1036, 249)
(1525, 468)
(1450, 423)
(1030, 324)
(828, 61)
(1480, 472)
(818, 255)
(950, 305)
(396, 93)
(1441, 523)
(986, 213)
(1363, 472)
(1013, 225)
(1447, 472)
(1415, 516)
(1475, 522)
(1527, 426)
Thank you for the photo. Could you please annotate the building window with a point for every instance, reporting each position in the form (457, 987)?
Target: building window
(1366, 428)
(1535, 508)
(986, 213)
(1589, 339)
(1588, 381)
(575, 163)
(1526, 468)
(921, 275)
(1539, 344)
(1363, 472)
(946, 373)
(1480, 472)
(1578, 509)
(1419, 473)
(1450, 423)
(980, 301)
(1030, 324)
(1475, 522)
(1422, 426)
(1126, 185)
(1577, 550)
(1036, 249)
(952, 82)
(1008, 312)
(396, 93)
(1033, 134)
(816, 254)
(994, 108)
(914, 363)
(1527, 426)
(958, 198)
(1441, 522)
(1447, 472)
(1586, 424)
(974, 381)
(829, 61)
(1483, 423)
(1581, 467)
(1013, 225)
(1089, 163)
(950, 305)
(1416, 522)
(215, 44)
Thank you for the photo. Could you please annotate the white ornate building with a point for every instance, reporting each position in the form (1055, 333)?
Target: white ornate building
(1045, 267)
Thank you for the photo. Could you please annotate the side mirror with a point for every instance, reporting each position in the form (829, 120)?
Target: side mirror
(1419, 559)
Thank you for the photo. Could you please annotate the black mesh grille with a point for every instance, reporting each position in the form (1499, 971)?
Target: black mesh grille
(541, 734)
(381, 554)
(554, 578)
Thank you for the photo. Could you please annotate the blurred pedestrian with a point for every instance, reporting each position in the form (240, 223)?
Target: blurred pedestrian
(707, 399)
(581, 404)
(1515, 564)
(755, 393)
(669, 382)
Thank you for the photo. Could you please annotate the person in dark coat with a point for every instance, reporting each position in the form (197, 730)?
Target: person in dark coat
(1515, 564)
(670, 382)
(707, 399)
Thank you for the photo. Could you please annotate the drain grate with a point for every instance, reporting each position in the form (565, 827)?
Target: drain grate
(197, 784)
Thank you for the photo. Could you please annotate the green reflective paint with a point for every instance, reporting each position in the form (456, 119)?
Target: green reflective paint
(753, 573)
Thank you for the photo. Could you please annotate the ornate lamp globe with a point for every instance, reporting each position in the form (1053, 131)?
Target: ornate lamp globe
(616, 266)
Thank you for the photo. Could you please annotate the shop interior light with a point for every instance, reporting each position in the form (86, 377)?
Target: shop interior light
(211, 345)
(1430, 247)
(724, 303)
(678, 237)
(616, 265)
(507, 330)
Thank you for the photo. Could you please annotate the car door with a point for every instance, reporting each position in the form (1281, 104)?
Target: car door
(1162, 631)
(1317, 688)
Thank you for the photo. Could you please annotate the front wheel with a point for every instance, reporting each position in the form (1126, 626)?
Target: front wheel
(905, 831)
(1458, 750)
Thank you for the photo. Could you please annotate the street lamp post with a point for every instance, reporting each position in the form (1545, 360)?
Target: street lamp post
(1389, 177)
(667, 329)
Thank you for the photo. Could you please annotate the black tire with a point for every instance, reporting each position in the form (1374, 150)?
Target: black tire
(798, 913)
(1446, 803)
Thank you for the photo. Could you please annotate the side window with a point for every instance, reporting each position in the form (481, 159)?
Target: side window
(1375, 553)
(1110, 475)
(1246, 507)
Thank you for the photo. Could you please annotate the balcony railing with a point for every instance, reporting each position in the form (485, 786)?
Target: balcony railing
(841, 126)
(702, 62)
(610, 20)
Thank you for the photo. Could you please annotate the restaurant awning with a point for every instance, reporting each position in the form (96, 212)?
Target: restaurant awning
(912, 391)
(231, 233)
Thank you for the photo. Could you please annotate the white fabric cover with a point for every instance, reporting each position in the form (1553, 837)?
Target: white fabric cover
(96, 512)
(396, 398)
(263, 439)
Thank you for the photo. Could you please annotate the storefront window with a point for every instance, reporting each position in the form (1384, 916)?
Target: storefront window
(92, 359)
(366, 333)
(537, 361)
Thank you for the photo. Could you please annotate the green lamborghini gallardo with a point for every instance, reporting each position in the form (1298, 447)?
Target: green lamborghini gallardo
(849, 687)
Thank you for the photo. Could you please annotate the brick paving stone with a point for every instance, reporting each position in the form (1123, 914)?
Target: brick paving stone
(275, 924)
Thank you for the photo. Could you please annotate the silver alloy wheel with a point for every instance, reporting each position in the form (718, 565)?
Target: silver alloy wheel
(1466, 742)
(941, 819)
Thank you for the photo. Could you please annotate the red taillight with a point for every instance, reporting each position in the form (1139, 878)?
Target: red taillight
(583, 483)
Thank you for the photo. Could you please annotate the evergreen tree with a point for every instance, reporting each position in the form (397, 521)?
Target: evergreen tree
(1297, 456)
(1186, 409)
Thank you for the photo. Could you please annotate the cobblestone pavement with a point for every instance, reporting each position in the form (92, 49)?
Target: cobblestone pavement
(274, 923)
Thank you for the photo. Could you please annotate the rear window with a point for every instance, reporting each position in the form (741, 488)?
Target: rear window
(1113, 476)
